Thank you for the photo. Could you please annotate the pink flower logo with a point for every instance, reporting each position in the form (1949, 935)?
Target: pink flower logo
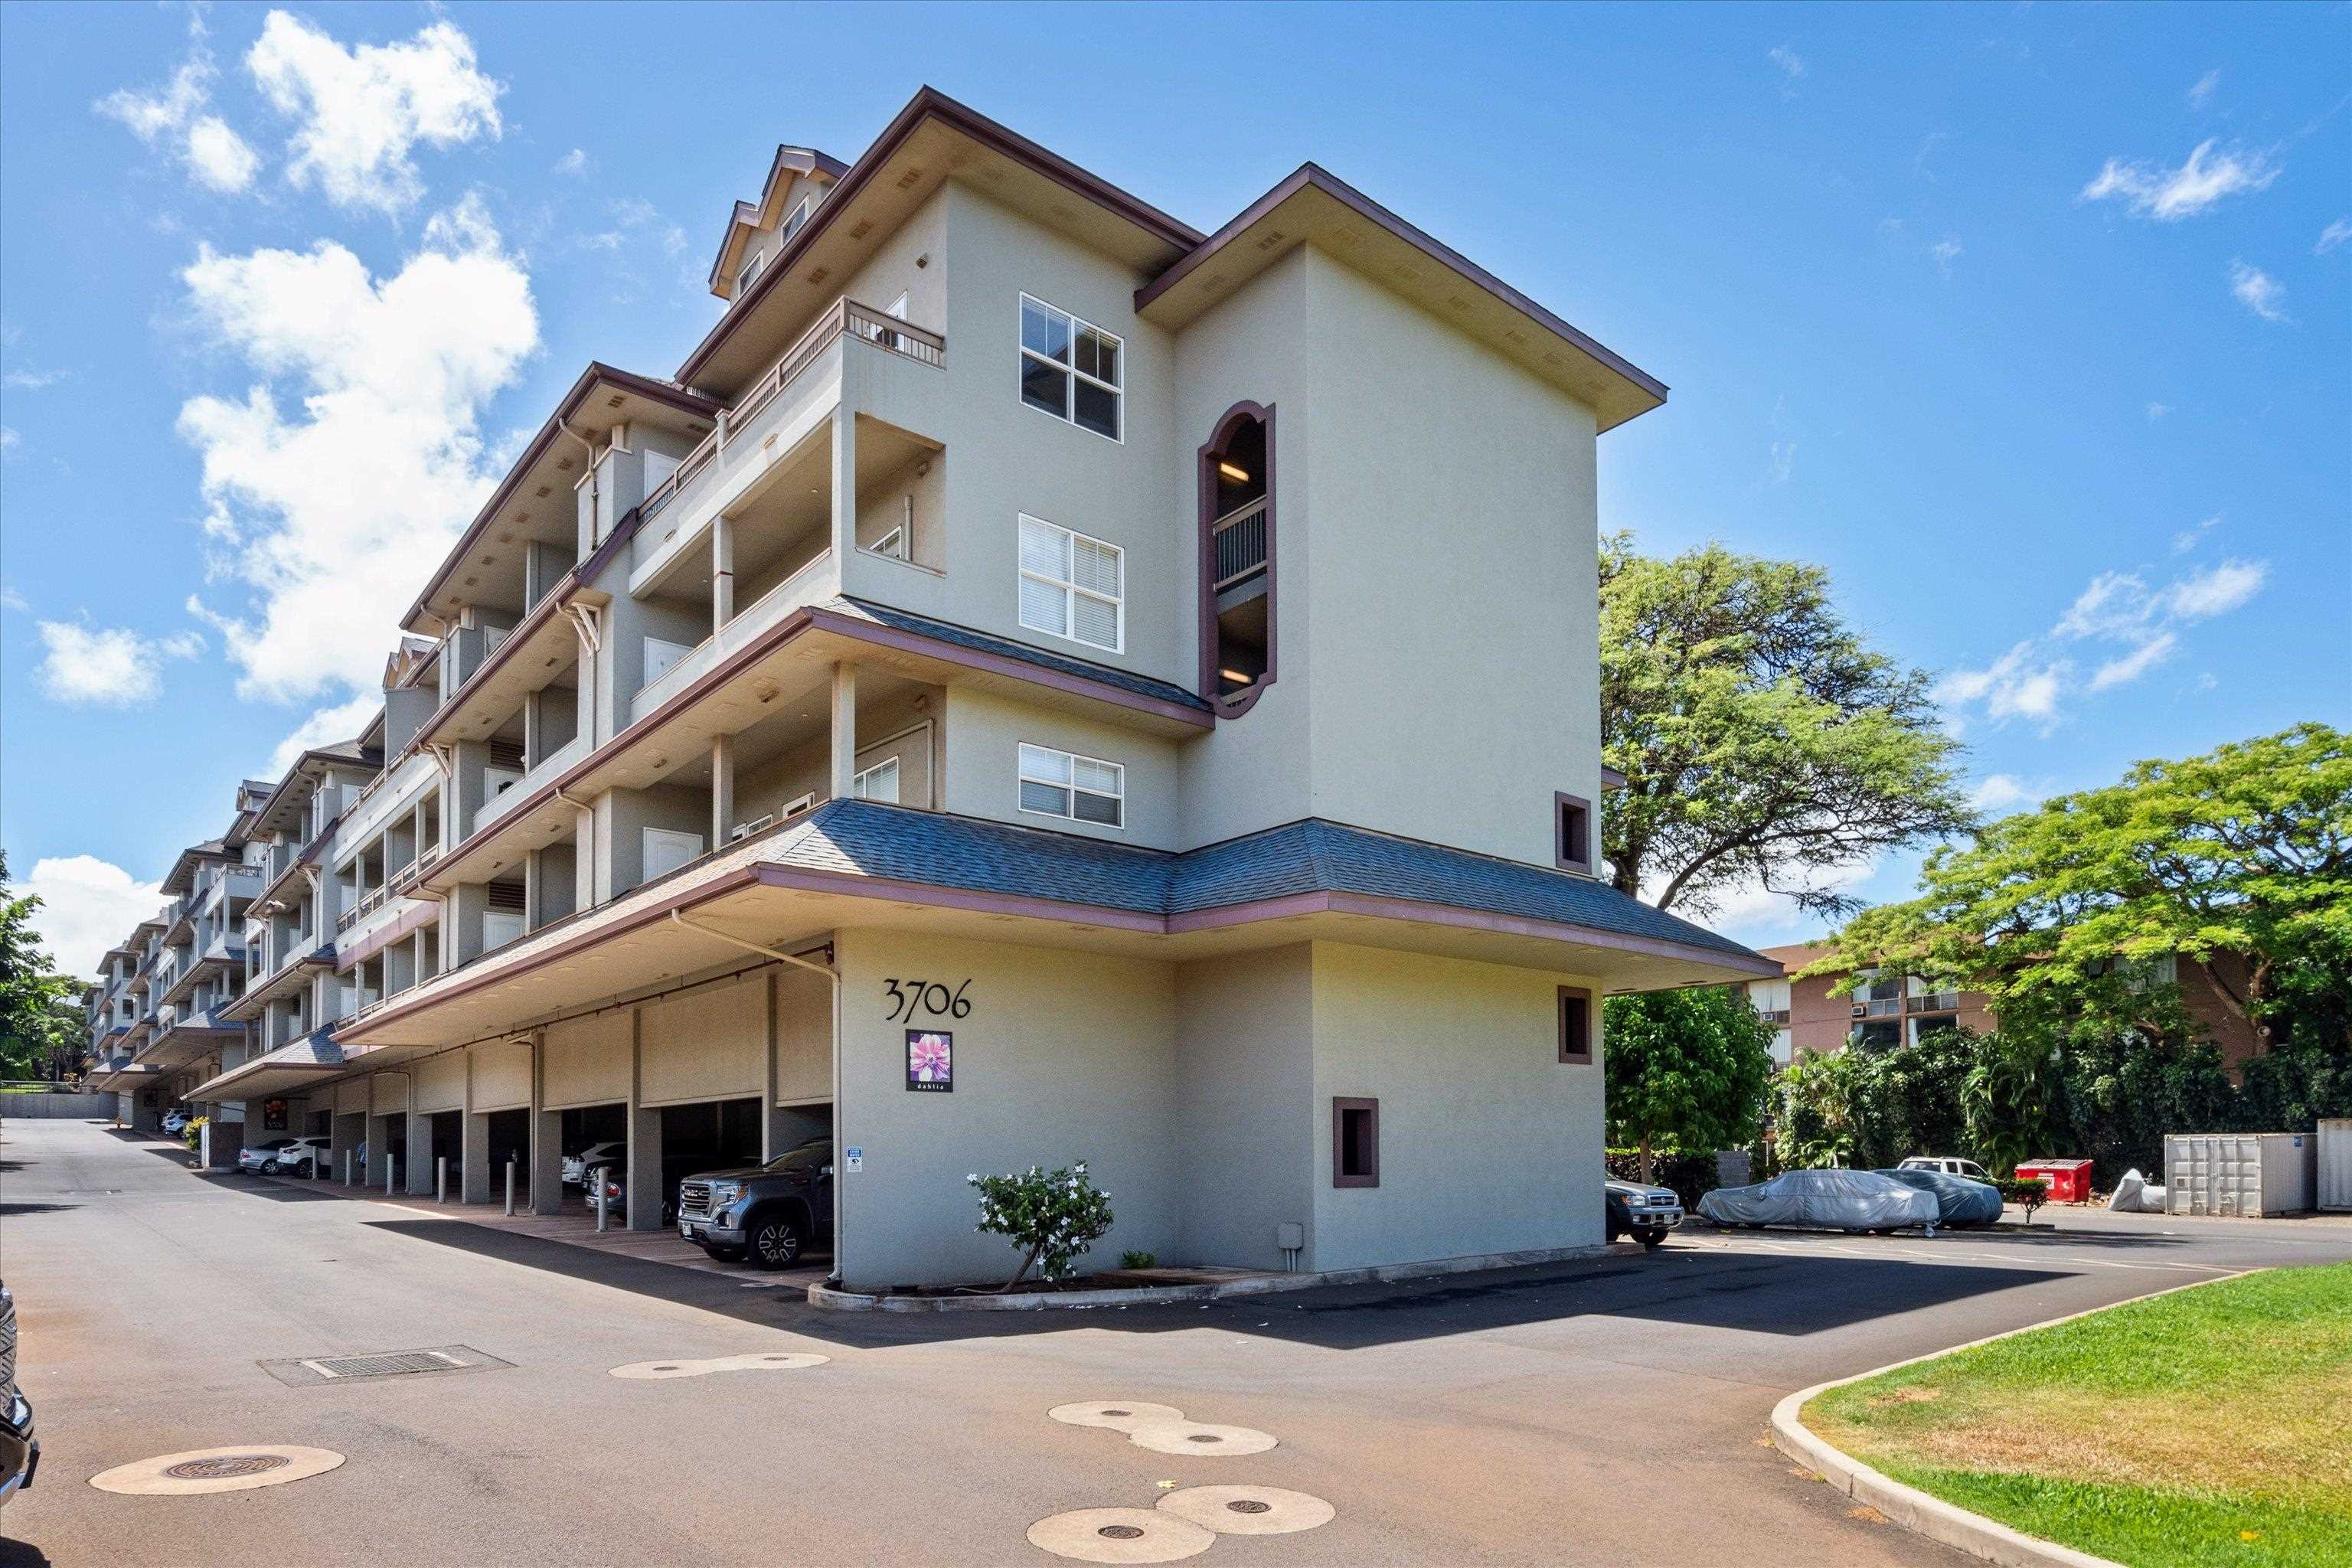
(926, 1058)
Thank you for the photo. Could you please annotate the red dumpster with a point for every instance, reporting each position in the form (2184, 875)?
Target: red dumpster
(2069, 1180)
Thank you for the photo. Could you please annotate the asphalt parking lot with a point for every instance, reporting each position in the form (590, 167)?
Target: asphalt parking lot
(1607, 1411)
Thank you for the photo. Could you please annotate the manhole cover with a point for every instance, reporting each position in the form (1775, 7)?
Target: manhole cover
(775, 1361)
(226, 1466)
(1198, 1437)
(217, 1470)
(311, 1371)
(1248, 1510)
(1120, 1533)
(1119, 1415)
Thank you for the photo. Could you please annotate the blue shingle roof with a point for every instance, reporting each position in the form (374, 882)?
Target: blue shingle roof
(981, 642)
(863, 838)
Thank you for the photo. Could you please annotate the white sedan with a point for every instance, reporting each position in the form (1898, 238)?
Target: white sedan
(298, 1157)
(262, 1157)
(576, 1166)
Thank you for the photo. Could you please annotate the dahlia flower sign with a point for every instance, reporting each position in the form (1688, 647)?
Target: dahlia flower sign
(930, 1061)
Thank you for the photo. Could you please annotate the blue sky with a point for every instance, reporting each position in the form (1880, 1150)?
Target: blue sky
(2034, 324)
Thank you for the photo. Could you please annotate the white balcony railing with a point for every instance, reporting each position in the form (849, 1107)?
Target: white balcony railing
(802, 587)
(546, 768)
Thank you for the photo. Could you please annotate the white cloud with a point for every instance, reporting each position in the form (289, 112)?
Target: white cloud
(330, 510)
(2202, 92)
(2258, 291)
(9, 441)
(1791, 64)
(216, 155)
(2001, 791)
(1945, 251)
(2132, 666)
(1784, 460)
(2187, 538)
(1758, 916)
(86, 906)
(2157, 411)
(33, 380)
(2216, 592)
(575, 163)
(2151, 190)
(342, 721)
(2334, 235)
(2036, 679)
(12, 600)
(364, 109)
(112, 667)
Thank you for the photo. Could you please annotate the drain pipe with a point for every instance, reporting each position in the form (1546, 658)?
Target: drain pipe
(595, 532)
(678, 917)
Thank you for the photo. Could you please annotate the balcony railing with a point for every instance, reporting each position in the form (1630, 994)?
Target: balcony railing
(540, 771)
(764, 612)
(1878, 1008)
(844, 318)
(1935, 1002)
(1239, 539)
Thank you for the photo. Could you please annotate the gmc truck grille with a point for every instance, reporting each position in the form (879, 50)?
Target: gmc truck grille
(694, 1199)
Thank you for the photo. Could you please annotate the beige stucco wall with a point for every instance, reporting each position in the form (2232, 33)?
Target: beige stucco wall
(1488, 1142)
(709, 1043)
(437, 1083)
(981, 765)
(501, 1075)
(1246, 1120)
(587, 1062)
(1064, 1057)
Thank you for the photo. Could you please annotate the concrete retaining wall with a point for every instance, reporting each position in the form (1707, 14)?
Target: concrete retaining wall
(61, 1107)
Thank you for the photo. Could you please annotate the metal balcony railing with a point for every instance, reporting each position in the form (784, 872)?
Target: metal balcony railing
(1238, 539)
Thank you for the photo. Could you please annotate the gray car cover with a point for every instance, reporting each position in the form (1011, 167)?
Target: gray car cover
(1826, 1200)
(1960, 1199)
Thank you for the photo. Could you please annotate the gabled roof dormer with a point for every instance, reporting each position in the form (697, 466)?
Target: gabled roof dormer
(800, 176)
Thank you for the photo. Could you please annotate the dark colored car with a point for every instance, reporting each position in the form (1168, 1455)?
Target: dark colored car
(1646, 1214)
(1959, 1201)
(613, 1180)
(20, 1451)
(766, 1215)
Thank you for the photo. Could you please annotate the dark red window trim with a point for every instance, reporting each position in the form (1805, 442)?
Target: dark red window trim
(1241, 702)
(1371, 1175)
(1580, 1021)
(1576, 856)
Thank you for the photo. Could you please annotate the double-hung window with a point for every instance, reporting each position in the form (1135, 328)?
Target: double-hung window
(1072, 586)
(880, 782)
(1082, 789)
(1071, 368)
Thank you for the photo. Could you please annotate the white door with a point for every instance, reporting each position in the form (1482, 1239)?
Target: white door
(666, 849)
(500, 927)
(660, 656)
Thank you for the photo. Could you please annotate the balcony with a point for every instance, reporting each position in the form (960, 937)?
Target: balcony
(1238, 543)
(1934, 1002)
(798, 589)
(845, 318)
(551, 765)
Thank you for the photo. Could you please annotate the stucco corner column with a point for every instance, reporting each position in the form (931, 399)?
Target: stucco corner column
(546, 1136)
(644, 1165)
(844, 731)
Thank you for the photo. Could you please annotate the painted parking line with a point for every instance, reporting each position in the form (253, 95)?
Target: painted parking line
(2053, 1261)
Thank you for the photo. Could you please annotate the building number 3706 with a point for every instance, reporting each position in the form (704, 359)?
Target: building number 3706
(908, 997)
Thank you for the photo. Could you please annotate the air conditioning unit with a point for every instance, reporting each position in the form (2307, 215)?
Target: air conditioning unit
(1861, 1010)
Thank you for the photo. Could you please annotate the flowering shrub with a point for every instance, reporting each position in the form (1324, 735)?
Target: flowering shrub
(1051, 1215)
(193, 1134)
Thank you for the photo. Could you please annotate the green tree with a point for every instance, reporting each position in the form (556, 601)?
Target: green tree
(2238, 861)
(2014, 1099)
(40, 1019)
(1761, 740)
(1816, 1097)
(1688, 1070)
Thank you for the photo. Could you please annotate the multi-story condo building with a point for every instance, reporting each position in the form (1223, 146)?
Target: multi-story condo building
(1038, 683)
(1821, 1014)
(162, 1018)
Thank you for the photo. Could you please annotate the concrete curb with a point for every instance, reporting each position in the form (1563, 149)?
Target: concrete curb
(1909, 1506)
(1153, 1295)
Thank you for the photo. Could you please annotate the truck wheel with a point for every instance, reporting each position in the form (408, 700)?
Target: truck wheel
(1650, 1240)
(774, 1241)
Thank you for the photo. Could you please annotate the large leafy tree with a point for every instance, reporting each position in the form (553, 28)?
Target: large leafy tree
(2238, 861)
(1762, 741)
(39, 1021)
(1686, 1070)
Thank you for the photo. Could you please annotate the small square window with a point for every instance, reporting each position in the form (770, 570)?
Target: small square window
(1355, 1143)
(1573, 833)
(1576, 1025)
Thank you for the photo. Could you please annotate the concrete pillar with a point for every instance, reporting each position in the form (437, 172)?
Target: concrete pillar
(722, 573)
(844, 481)
(418, 1176)
(722, 789)
(844, 730)
(645, 1178)
(546, 1137)
(474, 1148)
(586, 854)
(378, 1147)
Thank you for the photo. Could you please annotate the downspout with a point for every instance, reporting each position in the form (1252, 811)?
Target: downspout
(596, 535)
(840, 1170)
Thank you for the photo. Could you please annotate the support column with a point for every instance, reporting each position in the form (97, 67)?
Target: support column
(722, 573)
(844, 729)
(644, 1179)
(417, 1159)
(546, 1136)
(378, 1148)
(845, 479)
(474, 1148)
(722, 789)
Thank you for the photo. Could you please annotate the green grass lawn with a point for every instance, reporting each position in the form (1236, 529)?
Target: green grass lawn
(2208, 1426)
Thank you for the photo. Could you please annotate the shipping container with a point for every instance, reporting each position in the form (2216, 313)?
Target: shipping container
(2335, 1165)
(2249, 1174)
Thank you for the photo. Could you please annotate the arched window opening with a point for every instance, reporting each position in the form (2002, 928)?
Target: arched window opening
(1237, 559)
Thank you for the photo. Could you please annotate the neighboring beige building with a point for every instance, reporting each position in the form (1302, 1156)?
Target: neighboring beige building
(1162, 663)
(1889, 1009)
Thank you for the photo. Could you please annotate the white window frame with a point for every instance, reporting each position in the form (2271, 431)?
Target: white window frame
(860, 790)
(749, 273)
(1070, 590)
(793, 221)
(1069, 784)
(1069, 414)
